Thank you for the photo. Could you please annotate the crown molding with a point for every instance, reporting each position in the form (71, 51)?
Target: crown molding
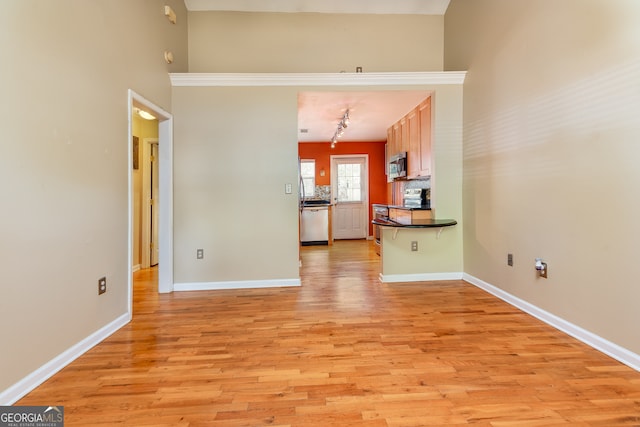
(318, 79)
(419, 7)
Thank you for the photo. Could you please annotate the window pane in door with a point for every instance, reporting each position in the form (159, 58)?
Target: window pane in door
(349, 182)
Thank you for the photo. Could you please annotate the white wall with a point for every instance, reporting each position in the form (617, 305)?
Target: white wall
(234, 151)
(235, 42)
(66, 71)
(236, 148)
(551, 154)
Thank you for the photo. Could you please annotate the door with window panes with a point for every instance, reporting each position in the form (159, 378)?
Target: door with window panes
(349, 182)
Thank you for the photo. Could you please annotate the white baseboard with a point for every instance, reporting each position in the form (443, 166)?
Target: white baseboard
(422, 277)
(135, 268)
(46, 371)
(619, 353)
(240, 284)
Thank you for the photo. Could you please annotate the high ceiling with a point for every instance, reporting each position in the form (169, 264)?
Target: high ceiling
(371, 113)
(420, 7)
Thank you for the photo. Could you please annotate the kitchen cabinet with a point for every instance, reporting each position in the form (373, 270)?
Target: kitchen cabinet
(391, 146)
(408, 216)
(403, 143)
(414, 149)
(424, 157)
(412, 134)
(394, 140)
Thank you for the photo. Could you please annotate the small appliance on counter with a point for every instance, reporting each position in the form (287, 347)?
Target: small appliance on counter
(417, 198)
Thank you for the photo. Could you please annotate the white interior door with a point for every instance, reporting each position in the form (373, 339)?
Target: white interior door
(349, 189)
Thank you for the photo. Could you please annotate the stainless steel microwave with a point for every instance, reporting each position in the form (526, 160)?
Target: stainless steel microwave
(398, 166)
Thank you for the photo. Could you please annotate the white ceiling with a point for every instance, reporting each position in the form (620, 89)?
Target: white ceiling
(420, 7)
(371, 113)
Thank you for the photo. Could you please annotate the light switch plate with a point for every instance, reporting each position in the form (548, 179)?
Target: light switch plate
(288, 189)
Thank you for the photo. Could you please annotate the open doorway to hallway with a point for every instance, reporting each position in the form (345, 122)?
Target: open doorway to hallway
(146, 198)
(150, 194)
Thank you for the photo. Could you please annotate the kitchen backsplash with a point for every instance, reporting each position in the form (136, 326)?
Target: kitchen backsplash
(323, 192)
(417, 183)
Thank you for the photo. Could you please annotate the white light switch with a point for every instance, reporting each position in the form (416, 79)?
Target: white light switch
(287, 189)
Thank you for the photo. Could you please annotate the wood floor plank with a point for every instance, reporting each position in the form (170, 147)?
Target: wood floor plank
(341, 350)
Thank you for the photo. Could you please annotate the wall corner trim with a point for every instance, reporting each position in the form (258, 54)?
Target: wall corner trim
(615, 351)
(318, 79)
(46, 371)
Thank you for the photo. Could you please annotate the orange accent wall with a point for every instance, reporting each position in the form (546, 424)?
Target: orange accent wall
(321, 152)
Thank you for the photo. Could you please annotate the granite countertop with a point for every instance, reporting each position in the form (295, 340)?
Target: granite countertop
(407, 208)
(309, 203)
(417, 223)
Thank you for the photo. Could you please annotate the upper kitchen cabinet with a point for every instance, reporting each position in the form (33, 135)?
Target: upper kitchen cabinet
(423, 157)
(391, 143)
(412, 134)
(413, 139)
(397, 138)
(403, 144)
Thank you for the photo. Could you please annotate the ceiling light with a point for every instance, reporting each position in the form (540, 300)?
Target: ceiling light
(145, 115)
(342, 125)
(345, 119)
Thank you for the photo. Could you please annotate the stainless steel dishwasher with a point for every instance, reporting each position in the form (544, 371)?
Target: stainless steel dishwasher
(314, 223)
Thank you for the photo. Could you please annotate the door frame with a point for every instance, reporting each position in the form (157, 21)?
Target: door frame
(334, 176)
(165, 226)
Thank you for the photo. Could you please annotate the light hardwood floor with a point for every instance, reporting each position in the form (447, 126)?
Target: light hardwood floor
(342, 350)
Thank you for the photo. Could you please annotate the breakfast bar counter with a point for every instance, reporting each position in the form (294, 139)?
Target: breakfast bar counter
(416, 223)
(419, 250)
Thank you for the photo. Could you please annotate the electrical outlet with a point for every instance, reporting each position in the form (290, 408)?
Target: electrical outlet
(102, 285)
(288, 189)
(510, 260)
(199, 253)
(414, 246)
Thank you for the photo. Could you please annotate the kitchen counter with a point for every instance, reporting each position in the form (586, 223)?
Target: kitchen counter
(407, 208)
(417, 249)
(416, 223)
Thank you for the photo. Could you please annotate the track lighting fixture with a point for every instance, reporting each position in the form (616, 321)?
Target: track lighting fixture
(342, 125)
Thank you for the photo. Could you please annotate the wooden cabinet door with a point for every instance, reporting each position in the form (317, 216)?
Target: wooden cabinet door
(413, 152)
(391, 147)
(397, 137)
(404, 135)
(424, 110)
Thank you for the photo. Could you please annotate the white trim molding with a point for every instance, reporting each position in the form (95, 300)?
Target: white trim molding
(615, 351)
(421, 277)
(46, 371)
(238, 284)
(318, 79)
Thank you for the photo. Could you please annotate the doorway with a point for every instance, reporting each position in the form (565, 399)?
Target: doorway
(150, 212)
(164, 187)
(350, 190)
